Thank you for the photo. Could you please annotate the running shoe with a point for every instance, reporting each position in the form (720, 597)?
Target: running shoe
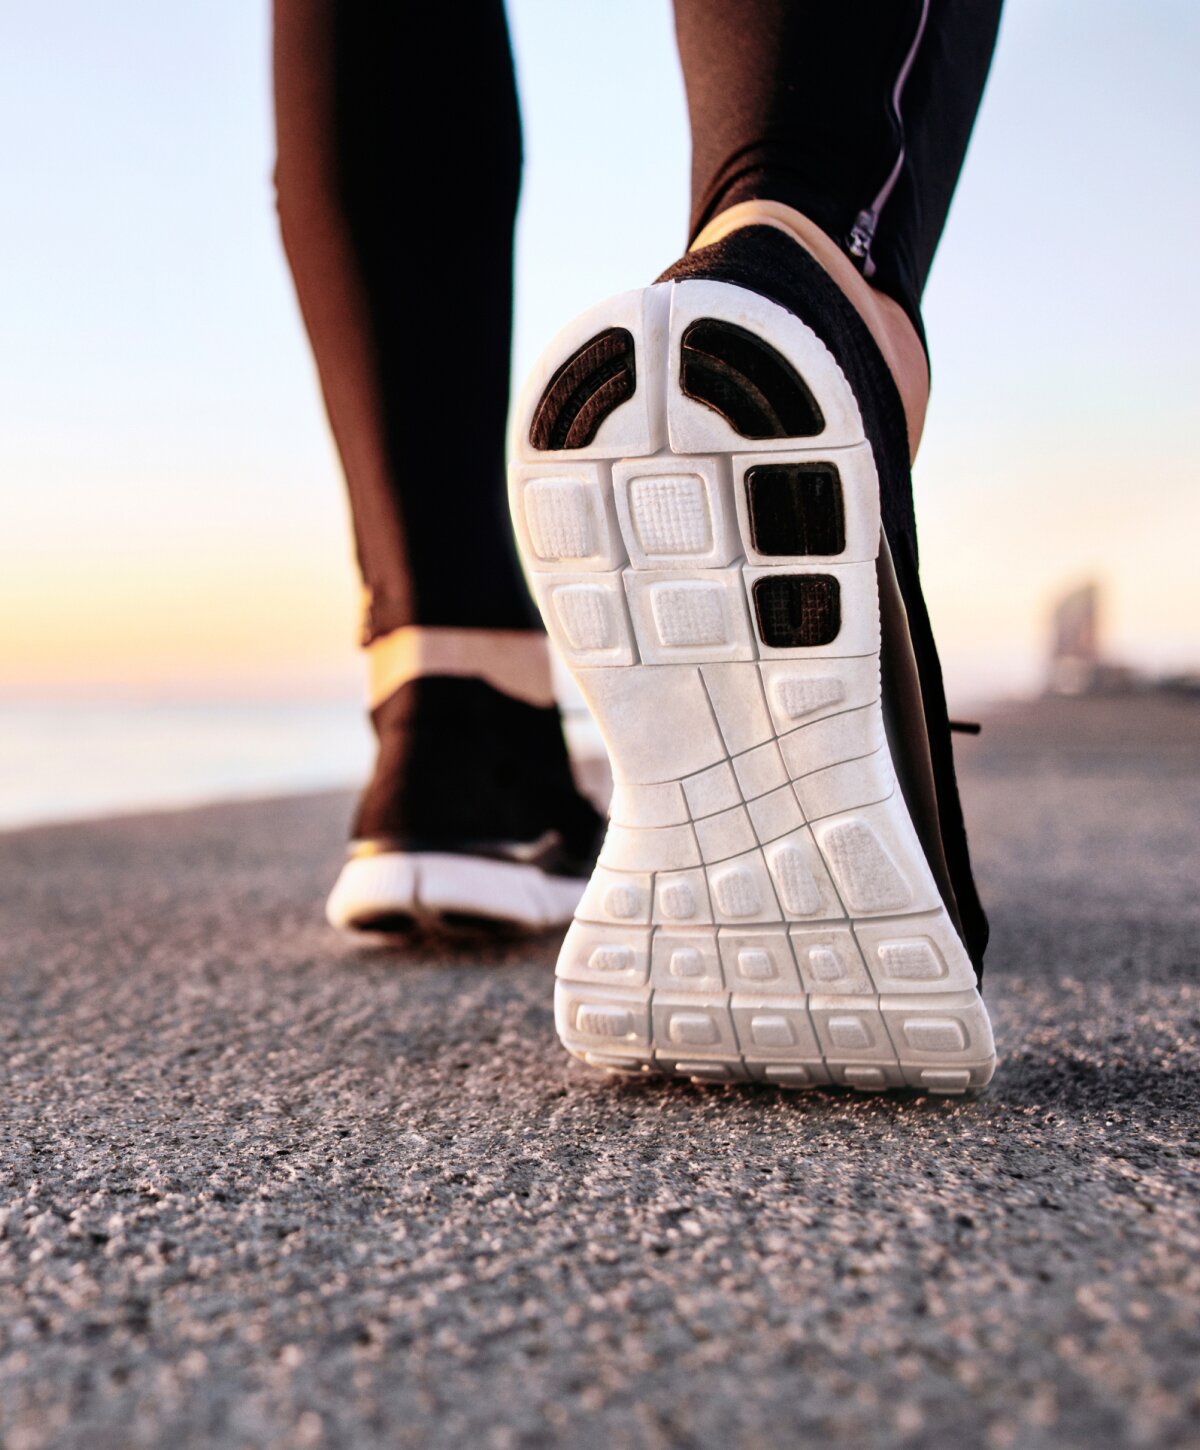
(472, 821)
(710, 488)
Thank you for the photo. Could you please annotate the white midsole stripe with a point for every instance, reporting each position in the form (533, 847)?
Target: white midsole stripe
(429, 884)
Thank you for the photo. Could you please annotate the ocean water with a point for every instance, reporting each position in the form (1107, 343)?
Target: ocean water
(69, 759)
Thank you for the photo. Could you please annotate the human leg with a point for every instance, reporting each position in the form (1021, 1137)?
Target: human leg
(370, 202)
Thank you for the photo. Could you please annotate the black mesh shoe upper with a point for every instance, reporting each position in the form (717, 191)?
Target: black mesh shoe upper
(463, 767)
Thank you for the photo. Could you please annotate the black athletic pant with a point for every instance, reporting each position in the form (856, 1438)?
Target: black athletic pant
(855, 112)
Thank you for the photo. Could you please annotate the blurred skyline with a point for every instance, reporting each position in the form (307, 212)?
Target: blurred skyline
(174, 519)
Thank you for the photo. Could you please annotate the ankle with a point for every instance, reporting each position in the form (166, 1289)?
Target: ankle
(459, 760)
(516, 662)
(886, 320)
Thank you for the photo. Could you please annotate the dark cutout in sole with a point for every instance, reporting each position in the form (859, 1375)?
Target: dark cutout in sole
(743, 378)
(798, 611)
(592, 383)
(795, 508)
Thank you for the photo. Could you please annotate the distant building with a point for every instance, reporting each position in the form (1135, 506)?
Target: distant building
(1077, 662)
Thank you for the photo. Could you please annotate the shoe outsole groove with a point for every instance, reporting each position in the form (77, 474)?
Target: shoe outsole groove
(763, 910)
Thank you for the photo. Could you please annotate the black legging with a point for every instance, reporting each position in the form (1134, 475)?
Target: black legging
(855, 112)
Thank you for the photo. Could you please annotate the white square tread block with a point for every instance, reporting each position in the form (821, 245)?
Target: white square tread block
(692, 1027)
(802, 885)
(689, 619)
(945, 1029)
(799, 691)
(619, 897)
(563, 517)
(602, 1017)
(681, 898)
(676, 512)
(758, 961)
(607, 956)
(775, 1029)
(829, 960)
(587, 617)
(850, 1029)
(876, 861)
(740, 890)
(686, 961)
(915, 954)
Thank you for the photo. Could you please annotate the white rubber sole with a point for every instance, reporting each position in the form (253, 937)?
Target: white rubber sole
(443, 892)
(762, 909)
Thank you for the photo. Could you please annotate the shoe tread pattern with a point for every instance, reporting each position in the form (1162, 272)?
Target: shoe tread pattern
(762, 909)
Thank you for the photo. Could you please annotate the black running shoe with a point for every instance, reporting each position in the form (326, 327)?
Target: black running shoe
(700, 476)
(472, 820)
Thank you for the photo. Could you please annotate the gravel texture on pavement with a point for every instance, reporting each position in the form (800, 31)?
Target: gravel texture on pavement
(265, 1188)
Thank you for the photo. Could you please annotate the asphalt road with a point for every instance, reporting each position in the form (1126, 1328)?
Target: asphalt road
(262, 1188)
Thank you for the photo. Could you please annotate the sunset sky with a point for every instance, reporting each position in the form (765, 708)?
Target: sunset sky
(173, 519)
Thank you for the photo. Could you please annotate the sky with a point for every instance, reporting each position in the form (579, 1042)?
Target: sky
(173, 520)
